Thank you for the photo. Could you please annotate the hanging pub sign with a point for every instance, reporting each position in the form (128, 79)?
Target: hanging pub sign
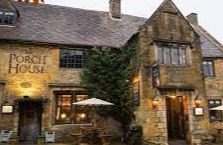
(6, 109)
(156, 75)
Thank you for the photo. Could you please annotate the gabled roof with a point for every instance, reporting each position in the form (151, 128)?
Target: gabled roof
(209, 45)
(6, 5)
(71, 26)
(158, 18)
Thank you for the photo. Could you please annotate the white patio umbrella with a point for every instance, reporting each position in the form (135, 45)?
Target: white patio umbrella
(93, 102)
(217, 108)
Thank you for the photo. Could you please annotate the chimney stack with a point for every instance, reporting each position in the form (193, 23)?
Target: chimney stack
(115, 9)
(192, 18)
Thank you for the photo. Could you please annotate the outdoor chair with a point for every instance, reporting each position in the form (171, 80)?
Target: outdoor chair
(5, 136)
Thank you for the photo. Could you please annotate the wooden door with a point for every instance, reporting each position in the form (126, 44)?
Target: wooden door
(30, 121)
(175, 118)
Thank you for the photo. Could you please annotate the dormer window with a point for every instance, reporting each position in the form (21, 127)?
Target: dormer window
(7, 18)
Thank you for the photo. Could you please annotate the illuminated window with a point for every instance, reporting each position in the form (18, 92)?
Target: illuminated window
(136, 91)
(67, 113)
(215, 115)
(72, 58)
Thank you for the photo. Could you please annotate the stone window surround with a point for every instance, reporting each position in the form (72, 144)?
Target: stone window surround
(209, 72)
(182, 61)
(7, 18)
(215, 105)
(72, 109)
(72, 61)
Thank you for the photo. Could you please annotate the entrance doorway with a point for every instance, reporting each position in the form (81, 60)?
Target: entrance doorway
(30, 115)
(177, 118)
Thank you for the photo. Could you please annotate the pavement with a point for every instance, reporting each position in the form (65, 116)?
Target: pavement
(50, 144)
(171, 142)
(35, 144)
(183, 142)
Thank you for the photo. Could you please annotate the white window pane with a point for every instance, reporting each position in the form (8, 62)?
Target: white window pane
(160, 54)
(183, 58)
(167, 55)
(8, 13)
(175, 56)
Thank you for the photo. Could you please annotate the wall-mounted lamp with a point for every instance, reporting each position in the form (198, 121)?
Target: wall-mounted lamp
(63, 115)
(198, 102)
(26, 85)
(155, 102)
(198, 99)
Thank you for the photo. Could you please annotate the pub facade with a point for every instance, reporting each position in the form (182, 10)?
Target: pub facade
(42, 55)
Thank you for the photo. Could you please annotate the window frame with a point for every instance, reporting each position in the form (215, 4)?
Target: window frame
(135, 86)
(211, 71)
(74, 61)
(1, 17)
(181, 59)
(10, 18)
(215, 105)
(73, 94)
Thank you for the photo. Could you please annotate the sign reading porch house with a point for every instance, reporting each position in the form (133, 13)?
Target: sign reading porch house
(27, 63)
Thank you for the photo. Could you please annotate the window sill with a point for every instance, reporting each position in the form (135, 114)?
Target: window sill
(64, 125)
(70, 69)
(209, 76)
(5, 25)
(178, 66)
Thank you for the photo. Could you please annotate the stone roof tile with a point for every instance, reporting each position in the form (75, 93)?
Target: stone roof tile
(209, 45)
(63, 25)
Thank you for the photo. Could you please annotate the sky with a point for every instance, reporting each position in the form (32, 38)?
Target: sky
(209, 11)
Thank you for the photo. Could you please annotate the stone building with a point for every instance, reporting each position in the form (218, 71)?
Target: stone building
(43, 50)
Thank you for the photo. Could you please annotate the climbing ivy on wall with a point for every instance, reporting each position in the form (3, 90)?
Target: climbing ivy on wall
(108, 77)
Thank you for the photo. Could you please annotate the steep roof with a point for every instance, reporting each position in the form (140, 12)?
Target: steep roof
(6, 5)
(209, 45)
(70, 26)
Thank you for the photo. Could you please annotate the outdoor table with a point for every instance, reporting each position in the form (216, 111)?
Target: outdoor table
(77, 137)
(217, 136)
(219, 130)
(104, 138)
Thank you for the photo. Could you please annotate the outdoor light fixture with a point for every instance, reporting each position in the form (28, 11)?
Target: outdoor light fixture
(198, 101)
(26, 85)
(63, 115)
(136, 79)
(155, 102)
(172, 96)
(82, 115)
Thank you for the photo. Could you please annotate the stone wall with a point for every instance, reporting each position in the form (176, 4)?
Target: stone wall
(167, 25)
(33, 70)
(214, 85)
